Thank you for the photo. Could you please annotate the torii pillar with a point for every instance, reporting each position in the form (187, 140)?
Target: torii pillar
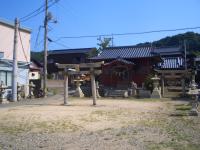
(66, 94)
(93, 84)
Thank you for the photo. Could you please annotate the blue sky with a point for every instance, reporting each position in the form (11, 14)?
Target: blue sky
(94, 17)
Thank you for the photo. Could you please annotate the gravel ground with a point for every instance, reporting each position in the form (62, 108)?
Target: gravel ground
(114, 124)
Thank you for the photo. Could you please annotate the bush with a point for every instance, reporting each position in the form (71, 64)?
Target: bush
(148, 82)
(49, 76)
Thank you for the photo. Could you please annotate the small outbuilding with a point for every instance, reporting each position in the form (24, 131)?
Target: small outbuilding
(126, 64)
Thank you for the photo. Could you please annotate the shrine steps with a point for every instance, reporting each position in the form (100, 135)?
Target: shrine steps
(116, 93)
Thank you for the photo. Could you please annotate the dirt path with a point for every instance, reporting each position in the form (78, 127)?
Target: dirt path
(112, 124)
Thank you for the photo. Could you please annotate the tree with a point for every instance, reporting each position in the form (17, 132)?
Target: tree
(192, 42)
(93, 53)
(37, 56)
(106, 42)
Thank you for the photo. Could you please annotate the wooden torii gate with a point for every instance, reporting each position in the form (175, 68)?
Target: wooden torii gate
(73, 69)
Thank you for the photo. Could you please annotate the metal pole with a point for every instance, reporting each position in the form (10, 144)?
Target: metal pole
(112, 40)
(45, 50)
(15, 67)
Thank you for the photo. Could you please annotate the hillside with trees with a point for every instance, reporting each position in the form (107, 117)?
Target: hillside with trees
(192, 42)
(37, 56)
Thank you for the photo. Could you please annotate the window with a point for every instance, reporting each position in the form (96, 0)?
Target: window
(9, 79)
(3, 77)
(6, 77)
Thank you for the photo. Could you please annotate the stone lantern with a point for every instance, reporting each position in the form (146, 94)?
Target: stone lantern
(194, 93)
(3, 88)
(78, 92)
(156, 91)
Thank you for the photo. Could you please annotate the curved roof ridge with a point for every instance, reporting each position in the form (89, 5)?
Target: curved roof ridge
(128, 47)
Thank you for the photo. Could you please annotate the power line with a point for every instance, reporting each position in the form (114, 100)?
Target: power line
(30, 14)
(22, 46)
(36, 41)
(38, 34)
(131, 33)
(61, 44)
(37, 12)
(67, 11)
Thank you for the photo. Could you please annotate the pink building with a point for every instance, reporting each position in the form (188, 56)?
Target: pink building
(6, 53)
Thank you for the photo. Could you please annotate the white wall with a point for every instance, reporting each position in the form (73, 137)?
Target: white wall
(7, 42)
(34, 75)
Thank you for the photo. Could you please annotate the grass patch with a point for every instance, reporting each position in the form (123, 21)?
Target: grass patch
(44, 126)
(110, 115)
(1, 147)
(121, 134)
(174, 128)
(145, 99)
(153, 123)
(99, 115)
(172, 145)
(182, 110)
(89, 118)
(184, 107)
(106, 130)
(180, 114)
(106, 114)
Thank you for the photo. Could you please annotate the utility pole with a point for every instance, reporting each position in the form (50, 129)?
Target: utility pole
(45, 50)
(15, 67)
(185, 52)
(112, 40)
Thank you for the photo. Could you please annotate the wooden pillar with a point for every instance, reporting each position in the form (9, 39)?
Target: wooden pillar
(162, 85)
(93, 84)
(66, 89)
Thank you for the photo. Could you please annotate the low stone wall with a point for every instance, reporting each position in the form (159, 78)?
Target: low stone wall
(144, 93)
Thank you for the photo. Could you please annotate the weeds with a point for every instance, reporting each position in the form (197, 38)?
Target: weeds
(183, 107)
(46, 127)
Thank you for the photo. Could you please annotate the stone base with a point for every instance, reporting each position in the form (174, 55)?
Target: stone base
(66, 104)
(4, 101)
(98, 95)
(194, 112)
(132, 92)
(79, 93)
(156, 94)
(126, 94)
(144, 93)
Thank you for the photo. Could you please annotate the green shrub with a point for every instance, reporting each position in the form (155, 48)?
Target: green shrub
(148, 82)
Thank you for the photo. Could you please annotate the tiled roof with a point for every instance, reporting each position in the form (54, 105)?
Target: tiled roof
(171, 63)
(169, 50)
(197, 59)
(70, 51)
(125, 52)
(120, 60)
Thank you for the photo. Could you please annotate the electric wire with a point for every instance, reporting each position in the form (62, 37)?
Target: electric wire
(37, 12)
(124, 34)
(38, 34)
(61, 44)
(30, 14)
(22, 46)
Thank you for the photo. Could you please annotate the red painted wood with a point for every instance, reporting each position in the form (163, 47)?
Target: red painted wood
(137, 73)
